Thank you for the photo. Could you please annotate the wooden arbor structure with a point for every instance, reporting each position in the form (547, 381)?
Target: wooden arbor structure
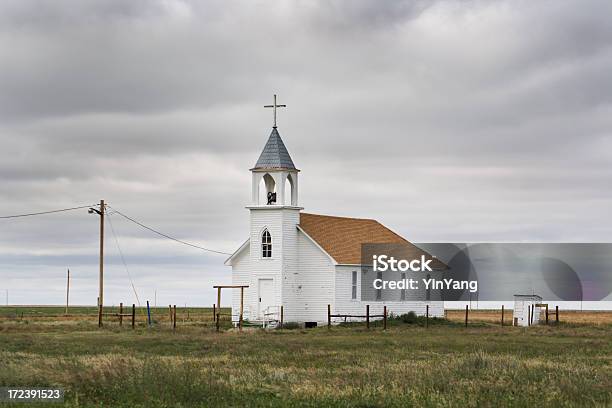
(546, 306)
(218, 311)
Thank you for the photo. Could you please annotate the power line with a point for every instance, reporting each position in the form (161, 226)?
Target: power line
(123, 258)
(168, 236)
(48, 212)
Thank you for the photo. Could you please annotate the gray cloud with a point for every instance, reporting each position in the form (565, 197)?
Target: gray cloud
(447, 120)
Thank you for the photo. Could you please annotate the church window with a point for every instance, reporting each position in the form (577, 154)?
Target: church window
(379, 291)
(266, 244)
(403, 291)
(354, 286)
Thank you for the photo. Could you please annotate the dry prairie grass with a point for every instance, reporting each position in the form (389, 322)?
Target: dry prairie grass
(590, 317)
(445, 365)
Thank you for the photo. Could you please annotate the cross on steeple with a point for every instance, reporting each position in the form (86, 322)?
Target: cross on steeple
(274, 107)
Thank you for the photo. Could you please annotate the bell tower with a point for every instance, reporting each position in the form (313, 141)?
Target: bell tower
(274, 177)
(275, 214)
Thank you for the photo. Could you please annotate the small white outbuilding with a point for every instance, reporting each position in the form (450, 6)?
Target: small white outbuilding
(526, 310)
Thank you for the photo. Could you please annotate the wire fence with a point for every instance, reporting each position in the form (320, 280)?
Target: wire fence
(114, 315)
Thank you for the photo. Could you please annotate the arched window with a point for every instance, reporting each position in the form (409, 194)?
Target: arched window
(290, 193)
(266, 245)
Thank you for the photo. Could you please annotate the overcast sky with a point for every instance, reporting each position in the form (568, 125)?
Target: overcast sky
(447, 121)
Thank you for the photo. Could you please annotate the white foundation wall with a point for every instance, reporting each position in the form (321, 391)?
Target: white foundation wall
(344, 304)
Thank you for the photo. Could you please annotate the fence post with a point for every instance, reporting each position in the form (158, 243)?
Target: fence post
(214, 312)
(368, 316)
(385, 318)
(218, 307)
(557, 314)
(148, 314)
(174, 319)
(120, 314)
(133, 315)
(547, 314)
(502, 322)
(329, 316)
(426, 315)
(241, 317)
(282, 316)
(170, 314)
(466, 315)
(99, 315)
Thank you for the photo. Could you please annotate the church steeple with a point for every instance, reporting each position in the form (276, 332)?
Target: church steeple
(274, 169)
(274, 154)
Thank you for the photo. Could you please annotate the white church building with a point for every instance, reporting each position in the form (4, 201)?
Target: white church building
(304, 261)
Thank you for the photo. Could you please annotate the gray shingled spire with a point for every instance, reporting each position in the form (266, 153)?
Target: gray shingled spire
(274, 154)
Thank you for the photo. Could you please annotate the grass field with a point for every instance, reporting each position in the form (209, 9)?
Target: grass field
(408, 365)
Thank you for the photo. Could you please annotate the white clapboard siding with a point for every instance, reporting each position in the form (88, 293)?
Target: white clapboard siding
(313, 288)
(266, 268)
(241, 275)
(522, 310)
(249, 266)
(306, 279)
(290, 272)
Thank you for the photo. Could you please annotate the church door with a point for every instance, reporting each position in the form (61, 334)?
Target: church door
(266, 296)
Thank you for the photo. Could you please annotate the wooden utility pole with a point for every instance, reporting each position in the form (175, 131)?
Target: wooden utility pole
(67, 290)
(100, 212)
(101, 252)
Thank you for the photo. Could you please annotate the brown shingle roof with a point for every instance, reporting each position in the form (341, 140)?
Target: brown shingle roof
(342, 237)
